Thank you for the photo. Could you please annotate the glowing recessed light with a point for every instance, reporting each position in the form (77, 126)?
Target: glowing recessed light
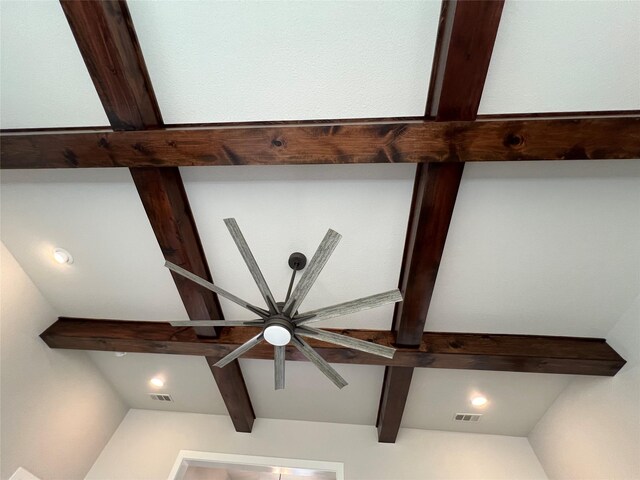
(61, 256)
(479, 401)
(156, 382)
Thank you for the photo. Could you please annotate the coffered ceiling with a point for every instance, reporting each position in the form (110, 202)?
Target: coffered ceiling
(533, 247)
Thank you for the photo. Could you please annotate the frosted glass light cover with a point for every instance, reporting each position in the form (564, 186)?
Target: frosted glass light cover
(277, 335)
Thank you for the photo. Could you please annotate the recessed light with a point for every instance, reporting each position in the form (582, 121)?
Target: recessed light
(61, 256)
(478, 401)
(156, 382)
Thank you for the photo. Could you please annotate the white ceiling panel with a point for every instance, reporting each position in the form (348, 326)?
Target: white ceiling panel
(44, 82)
(550, 248)
(284, 209)
(186, 378)
(97, 216)
(555, 56)
(280, 60)
(309, 395)
(516, 401)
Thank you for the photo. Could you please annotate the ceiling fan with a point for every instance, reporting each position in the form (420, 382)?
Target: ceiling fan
(281, 323)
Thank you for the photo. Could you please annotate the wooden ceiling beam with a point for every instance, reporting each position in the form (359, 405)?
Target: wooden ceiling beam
(109, 46)
(165, 201)
(474, 351)
(466, 35)
(385, 141)
(107, 40)
(235, 395)
(434, 197)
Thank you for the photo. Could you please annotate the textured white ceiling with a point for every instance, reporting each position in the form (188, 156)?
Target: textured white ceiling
(549, 248)
(565, 56)
(516, 400)
(43, 79)
(273, 60)
(186, 378)
(309, 395)
(97, 215)
(238, 61)
(283, 209)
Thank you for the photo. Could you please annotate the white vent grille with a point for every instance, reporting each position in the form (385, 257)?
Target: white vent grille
(467, 417)
(161, 397)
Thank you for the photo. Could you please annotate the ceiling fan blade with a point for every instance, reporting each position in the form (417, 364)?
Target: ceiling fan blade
(223, 293)
(216, 323)
(353, 306)
(345, 341)
(318, 361)
(315, 266)
(239, 351)
(279, 357)
(250, 260)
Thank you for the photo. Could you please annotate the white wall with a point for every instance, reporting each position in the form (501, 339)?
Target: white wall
(592, 430)
(57, 411)
(147, 443)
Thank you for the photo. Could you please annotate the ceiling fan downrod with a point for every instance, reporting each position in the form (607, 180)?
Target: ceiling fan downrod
(297, 261)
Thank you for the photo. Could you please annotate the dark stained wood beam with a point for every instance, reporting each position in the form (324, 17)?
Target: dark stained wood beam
(434, 198)
(379, 142)
(475, 351)
(165, 201)
(466, 35)
(104, 33)
(234, 392)
(395, 390)
(109, 46)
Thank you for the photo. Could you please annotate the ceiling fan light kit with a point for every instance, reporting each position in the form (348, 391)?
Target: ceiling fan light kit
(278, 332)
(281, 322)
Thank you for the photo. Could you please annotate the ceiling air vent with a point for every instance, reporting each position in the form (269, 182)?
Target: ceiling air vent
(467, 417)
(161, 397)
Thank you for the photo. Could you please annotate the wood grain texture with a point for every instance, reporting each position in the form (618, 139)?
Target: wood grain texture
(445, 26)
(474, 351)
(434, 198)
(104, 33)
(467, 34)
(109, 46)
(165, 202)
(234, 393)
(393, 399)
(491, 140)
